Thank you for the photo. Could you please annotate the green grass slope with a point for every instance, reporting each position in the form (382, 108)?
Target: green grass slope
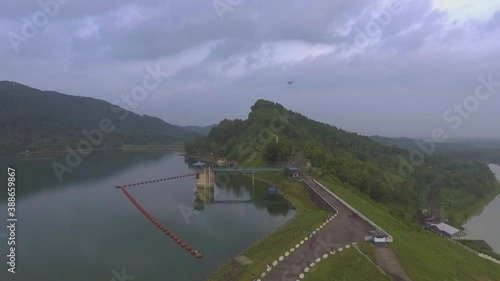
(424, 255)
(349, 265)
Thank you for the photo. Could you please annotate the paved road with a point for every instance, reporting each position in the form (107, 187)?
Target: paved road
(341, 231)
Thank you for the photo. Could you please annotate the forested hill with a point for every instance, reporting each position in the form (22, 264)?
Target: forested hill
(203, 130)
(34, 119)
(486, 150)
(357, 161)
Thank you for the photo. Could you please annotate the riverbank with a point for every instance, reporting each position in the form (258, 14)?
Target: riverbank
(486, 224)
(464, 215)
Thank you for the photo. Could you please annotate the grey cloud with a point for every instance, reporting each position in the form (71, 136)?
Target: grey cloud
(495, 21)
(400, 86)
(68, 8)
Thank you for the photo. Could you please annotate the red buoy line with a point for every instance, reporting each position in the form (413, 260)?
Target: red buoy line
(169, 233)
(154, 181)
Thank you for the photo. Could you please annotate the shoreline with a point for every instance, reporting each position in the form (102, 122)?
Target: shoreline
(214, 275)
(126, 147)
(477, 207)
(482, 204)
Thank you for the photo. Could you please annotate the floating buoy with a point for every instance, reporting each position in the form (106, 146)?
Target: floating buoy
(174, 237)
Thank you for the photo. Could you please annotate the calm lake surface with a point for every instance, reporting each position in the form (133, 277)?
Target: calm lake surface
(486, 225)
(85, 229)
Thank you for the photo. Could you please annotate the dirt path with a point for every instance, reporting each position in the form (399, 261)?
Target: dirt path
(342, 231)
(387, 260)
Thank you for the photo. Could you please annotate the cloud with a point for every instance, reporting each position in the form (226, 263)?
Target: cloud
(420, 62)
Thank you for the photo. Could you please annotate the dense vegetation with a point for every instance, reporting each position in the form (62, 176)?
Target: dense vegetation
(380, 171)
(202, 130)
(424, 255)
(480, 246)
(33, 119)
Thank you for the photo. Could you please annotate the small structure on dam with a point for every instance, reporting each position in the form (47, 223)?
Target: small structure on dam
(205, 178)
(204, 194)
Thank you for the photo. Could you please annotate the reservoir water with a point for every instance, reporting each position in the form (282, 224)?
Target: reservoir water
(83, 228)
(486, 225)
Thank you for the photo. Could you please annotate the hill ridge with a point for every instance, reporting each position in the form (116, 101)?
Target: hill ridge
(35, 119)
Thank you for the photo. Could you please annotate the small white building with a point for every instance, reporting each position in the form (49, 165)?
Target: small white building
(447, 230)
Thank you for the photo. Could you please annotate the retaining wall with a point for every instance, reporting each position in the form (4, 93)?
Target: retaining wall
(318, 199)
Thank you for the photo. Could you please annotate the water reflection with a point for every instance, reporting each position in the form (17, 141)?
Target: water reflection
(241, 190)
(36, 173)
(87, 227)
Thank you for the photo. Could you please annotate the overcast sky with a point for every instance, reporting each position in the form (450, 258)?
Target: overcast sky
(418, 59)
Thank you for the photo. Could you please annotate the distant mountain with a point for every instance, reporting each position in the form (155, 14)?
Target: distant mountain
(487, 150)
(34, 119)
(198, 129)
(404, 143)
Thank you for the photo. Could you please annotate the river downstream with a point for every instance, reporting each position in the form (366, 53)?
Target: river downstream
(486, 225)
